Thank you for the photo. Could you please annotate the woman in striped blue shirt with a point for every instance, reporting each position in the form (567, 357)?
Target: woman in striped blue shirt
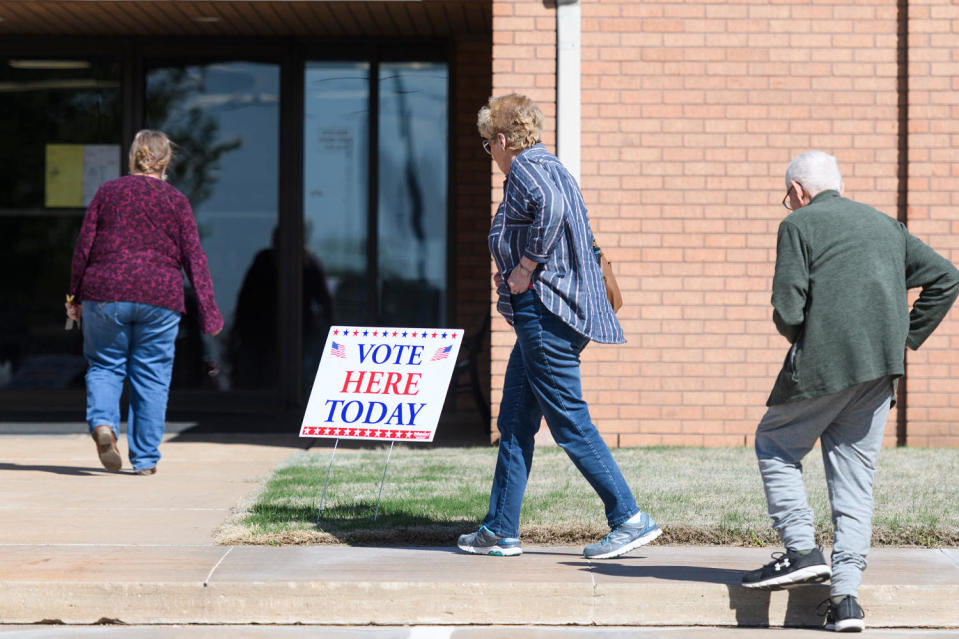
(551, 291)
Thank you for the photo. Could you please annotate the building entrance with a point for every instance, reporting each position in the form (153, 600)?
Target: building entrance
(319, 189)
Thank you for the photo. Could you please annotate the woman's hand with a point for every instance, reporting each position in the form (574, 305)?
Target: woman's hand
(520, 276)
(497, 279)
(74, 311)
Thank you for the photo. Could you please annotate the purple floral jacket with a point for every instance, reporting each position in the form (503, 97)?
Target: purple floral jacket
(137, 235)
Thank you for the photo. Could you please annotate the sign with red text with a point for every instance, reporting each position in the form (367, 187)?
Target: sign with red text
(384, 384)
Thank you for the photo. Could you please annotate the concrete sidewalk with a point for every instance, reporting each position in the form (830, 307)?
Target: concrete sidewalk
(81, 545)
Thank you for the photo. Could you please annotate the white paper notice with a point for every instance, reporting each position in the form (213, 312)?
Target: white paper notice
(101, 163)
(384, 384)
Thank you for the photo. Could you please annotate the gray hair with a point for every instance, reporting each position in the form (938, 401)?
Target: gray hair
(817, 171)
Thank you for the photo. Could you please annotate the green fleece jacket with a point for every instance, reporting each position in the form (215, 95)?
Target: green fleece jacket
(839, 296)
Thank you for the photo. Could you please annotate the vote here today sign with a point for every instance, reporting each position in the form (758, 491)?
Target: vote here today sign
(381, 383)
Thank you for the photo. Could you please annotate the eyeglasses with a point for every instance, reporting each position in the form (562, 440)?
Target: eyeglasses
(786, 199)
(486, 147)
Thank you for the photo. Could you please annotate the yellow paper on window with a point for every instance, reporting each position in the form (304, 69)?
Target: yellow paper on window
(64, 175)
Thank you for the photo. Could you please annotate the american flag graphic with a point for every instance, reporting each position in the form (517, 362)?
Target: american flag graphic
(338, 350)
(441, 353)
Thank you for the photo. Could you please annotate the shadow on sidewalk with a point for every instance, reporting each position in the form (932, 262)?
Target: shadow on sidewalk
(751, 606)
(353, 524)
(57, 470)
(672, 573)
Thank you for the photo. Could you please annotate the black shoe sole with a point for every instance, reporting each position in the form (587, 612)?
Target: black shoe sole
(801, 577)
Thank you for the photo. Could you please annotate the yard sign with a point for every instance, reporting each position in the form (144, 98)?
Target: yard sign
(386, 384)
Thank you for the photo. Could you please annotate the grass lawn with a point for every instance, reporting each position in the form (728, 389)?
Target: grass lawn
(697, 495)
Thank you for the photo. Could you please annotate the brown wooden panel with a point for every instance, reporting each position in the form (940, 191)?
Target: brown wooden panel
(265, 13)
(175, 19)
(345, 17)
(155, 17)
(129, 18)
(456, 18)
(367, 23)
(322, 21)
(289, 14)
(222, 25)
(421, 20)
(107, 18)
(80, 20)
(17, 19)
(385, 25)
(380, 18)
(110, 15)
(239, 22)
(133, 19)
(400, 18)
(479, 16)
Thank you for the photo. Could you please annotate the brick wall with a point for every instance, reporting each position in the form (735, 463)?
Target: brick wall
(933, 371)
(691, 113)
(524, 60)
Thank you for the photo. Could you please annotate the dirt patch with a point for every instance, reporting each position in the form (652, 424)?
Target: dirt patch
(443, 535)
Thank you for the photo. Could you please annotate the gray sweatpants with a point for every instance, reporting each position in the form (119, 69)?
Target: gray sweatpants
(851, 424)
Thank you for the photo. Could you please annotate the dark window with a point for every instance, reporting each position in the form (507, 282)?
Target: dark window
(61, 129)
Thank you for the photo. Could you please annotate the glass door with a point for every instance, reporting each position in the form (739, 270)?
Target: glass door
(412, 210)
(375, 212)
(336, 163)
(224, 118)
(375, 224)
(407, 227)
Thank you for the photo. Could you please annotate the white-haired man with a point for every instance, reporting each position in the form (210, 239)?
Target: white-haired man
(839, 297)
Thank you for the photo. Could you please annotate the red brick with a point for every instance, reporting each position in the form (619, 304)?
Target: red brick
(691, 113)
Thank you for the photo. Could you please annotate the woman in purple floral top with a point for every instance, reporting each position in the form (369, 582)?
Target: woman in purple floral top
(138, 235)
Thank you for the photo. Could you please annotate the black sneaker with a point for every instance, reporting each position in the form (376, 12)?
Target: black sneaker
(846, 616)
(789, 569)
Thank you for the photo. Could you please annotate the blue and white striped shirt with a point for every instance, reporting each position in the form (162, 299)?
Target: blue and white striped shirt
(543, 216)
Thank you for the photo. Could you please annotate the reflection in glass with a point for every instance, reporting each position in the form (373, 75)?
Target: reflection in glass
(335, 201)
(412, 215)
(335, 179)
(224, 117)
(47, 102)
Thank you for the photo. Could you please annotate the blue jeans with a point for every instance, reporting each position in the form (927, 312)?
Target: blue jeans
(133, 341)
(850, 425)
(542, 380)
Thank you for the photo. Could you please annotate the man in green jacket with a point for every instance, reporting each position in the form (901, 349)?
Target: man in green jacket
(839, 297)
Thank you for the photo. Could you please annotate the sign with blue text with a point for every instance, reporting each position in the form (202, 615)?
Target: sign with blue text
(386, 384)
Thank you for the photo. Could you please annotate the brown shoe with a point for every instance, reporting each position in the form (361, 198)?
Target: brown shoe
(146, 471)
(107, 449)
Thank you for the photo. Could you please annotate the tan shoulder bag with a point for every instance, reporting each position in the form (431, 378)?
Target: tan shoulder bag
(613, 294)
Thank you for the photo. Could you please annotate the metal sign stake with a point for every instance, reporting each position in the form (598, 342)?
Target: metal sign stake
(328, 469)
(377, 512)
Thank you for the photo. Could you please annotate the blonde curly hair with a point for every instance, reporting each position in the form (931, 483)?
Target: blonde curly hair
(150, 152)
(515, 116)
